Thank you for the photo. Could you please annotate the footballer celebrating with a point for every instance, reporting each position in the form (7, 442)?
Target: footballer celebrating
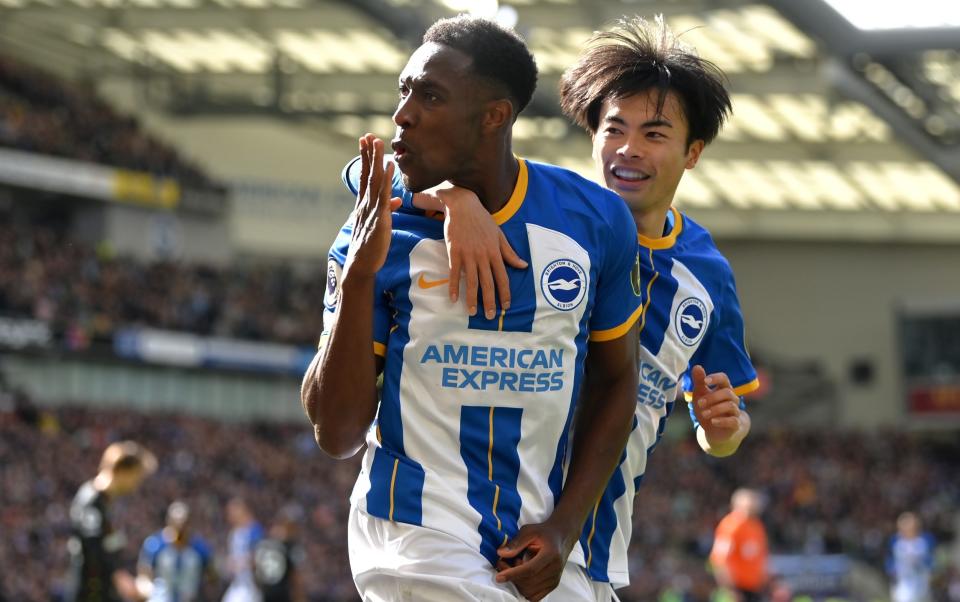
(463, 493)
(650, 106)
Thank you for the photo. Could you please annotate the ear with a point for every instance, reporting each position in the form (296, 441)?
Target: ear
(498, 114)
(693, 153)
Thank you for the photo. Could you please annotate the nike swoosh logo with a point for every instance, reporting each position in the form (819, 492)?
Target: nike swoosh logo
(424, 283)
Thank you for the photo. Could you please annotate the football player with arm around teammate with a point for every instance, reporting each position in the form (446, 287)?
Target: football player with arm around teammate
(465, 460)
(650, 106)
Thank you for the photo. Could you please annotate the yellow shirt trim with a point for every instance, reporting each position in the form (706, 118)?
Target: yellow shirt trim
(380, 349)
(593, 530)
(611, 334)
(740, 391)
(656, 274)
(667, 241)
(751, 386)
(516, 198)
(393, 485)
(617, 332)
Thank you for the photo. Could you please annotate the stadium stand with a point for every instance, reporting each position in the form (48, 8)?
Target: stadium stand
(832, 144)
(819, 501)
(85, 292)
(42, 114)
(202, 461)
(828, 493)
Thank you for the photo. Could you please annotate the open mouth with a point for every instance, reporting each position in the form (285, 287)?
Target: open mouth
(629, 175)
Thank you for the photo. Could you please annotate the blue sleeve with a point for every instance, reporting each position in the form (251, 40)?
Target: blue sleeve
(382, 314)
(203, 550)
(931, 548)
(255, 535)
(889, 563)
(618, 300)
(723, 348)
(351, 179)
(148, 552)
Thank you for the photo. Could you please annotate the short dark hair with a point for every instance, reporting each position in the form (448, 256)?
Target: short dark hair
(636, 56)
(498, 54)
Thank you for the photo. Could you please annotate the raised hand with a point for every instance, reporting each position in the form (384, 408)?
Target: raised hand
(371, 217)
(716, 406)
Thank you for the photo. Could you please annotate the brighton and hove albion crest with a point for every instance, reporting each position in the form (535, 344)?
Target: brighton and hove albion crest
(564, 284)
(691, 321)
(332, 294)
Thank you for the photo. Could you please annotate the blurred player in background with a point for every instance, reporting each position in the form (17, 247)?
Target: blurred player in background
(650, 105)
(464, 469)
(910, 562)
(245, 533)
(739, 554)
(277, 562)
(94, 545)
(173, 562)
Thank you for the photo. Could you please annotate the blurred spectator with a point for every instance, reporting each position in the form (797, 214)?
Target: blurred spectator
(40, 113)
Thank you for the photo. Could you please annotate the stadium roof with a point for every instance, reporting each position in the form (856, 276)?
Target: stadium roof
(828, 116)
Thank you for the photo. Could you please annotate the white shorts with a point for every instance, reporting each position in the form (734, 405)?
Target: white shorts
(242, 591)
(394, 562)
(910, 592)
(604, 592)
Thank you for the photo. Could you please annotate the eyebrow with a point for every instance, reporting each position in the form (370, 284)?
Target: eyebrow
(424, 82)
(653, 123)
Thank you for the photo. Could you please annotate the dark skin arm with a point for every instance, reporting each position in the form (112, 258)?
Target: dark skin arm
(601, 428)
(339, 391)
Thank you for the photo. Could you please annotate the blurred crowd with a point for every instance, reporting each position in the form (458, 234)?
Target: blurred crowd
(827, 492)
(85, 293)
(43, 114)
(275, 468)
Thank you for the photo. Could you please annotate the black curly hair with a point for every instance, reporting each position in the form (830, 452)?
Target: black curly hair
(499, 55)
(636, 56)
